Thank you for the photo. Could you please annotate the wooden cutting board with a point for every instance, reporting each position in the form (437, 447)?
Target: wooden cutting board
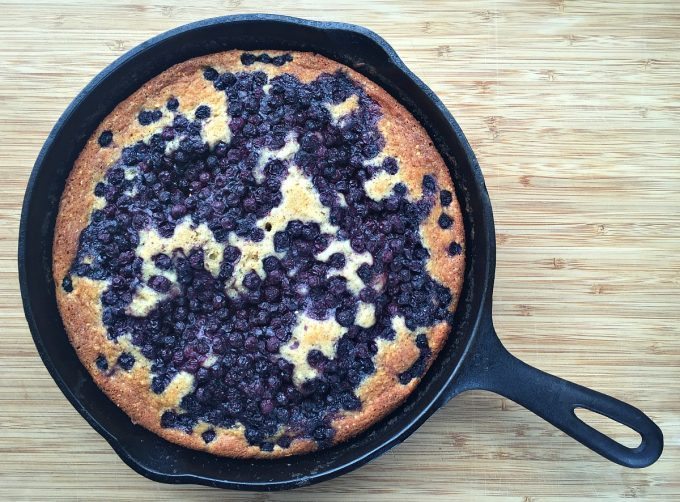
(573, 109)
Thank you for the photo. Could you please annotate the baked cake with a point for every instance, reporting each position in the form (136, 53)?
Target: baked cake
(258, 254)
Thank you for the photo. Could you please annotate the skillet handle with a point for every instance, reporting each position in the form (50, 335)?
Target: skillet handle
(493, 368)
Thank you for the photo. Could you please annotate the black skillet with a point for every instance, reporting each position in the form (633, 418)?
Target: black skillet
(473, 358)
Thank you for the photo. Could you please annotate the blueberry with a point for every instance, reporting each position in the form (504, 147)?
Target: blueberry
(160, 283)
(116, 176)
(202, 112)
(102, 363)
(252, 281)
(196, 259)
(221, 150)
(445, 198)
(254, 436)
(158, 384)
(250, 204)
(210, 73)
(251, 344)
(284, 442)
(445, 221)
(405, 377)
(337, 261)
(180, 123)
(358, 244)
(303, 248)
(429, 183)
(344, 317)
(310, 231)
(367, 295)
(260, 78)
(309, 143)
(247, 58)
(455, 249)
(168, 419)
(67, 284)
(178, 210)
(235, 339)
(282, 59)
(235, 406)
(105, 139)
(100, 189)
(172, 104)
(256, 234)
(400, 189)
(266, 406)
(224, 81)
(271, 263)
(253, 297)
(295, 228)
(350, 402)
(272, 345)
(231, 253)
(364, 272)
(126, 361)
(390, 165)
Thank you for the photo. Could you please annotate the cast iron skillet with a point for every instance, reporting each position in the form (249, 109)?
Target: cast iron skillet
(473, 358)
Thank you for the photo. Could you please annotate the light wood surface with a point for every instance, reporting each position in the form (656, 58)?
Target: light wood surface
(573, 109)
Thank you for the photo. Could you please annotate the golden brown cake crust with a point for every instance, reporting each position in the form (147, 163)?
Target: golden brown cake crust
(81, 309)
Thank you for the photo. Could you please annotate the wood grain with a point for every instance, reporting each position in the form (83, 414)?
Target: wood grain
(573, 110)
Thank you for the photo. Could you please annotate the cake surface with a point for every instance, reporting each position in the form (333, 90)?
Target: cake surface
(258, 254)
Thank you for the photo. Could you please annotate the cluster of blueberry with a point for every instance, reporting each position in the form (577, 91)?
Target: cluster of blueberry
(230, 343)
(248, 59)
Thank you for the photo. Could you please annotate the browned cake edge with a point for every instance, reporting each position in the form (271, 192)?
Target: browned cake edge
(381, 392)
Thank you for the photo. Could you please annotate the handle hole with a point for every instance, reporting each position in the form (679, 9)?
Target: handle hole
(620, 433)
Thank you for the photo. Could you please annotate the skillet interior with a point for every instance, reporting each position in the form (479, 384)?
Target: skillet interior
(354, 46)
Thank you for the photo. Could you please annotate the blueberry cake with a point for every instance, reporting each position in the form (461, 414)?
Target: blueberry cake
(258, 254)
